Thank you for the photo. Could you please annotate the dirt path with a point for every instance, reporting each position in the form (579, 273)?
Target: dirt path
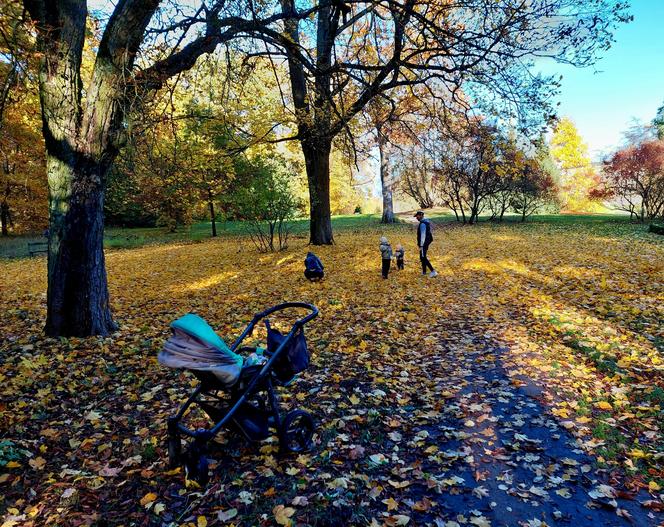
(508, 462)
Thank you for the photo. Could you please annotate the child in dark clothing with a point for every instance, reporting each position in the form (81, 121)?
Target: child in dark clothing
(399, 253)
(386, 255)
(313, 267)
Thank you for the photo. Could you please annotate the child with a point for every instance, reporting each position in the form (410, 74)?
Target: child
(313, 267)
(386, 255)
(399, 253)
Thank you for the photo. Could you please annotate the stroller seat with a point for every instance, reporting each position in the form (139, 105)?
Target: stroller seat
(195, 346)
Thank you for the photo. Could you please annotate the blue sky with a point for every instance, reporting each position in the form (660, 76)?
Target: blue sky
(628, 82)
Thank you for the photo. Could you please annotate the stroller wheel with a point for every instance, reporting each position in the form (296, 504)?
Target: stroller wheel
(174, 449)
(197, 466)
(296, 431)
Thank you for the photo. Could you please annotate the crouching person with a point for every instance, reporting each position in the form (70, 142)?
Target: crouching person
(313, 267)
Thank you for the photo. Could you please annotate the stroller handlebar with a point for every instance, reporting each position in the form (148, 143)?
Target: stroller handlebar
(279, 307)
(289, 305)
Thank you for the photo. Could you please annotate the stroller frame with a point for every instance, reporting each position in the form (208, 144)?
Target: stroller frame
(294, 429)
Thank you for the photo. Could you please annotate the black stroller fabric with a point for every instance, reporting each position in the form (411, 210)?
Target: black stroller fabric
(313, 267)
(294, 359)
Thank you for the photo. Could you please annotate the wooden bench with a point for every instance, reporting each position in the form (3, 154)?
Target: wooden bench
(37, 247)
(657, 229)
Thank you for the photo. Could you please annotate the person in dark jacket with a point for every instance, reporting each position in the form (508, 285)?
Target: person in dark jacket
(424, 239)
(313, 267)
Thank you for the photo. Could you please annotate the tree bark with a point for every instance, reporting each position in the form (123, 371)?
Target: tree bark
(78, 157)
(317, 160)
(78, 300)
(4, 218)
(385, 185)
(213, 219)
(314, 114)
(81, 144)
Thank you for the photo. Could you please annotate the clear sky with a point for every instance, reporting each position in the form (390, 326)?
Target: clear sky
(628, 82)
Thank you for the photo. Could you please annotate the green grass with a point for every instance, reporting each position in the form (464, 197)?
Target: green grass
(124, 238)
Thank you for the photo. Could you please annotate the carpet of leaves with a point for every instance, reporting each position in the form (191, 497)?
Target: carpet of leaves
(523, 386)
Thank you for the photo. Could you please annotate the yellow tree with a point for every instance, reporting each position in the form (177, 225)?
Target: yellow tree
(577, 178)
(22, 177)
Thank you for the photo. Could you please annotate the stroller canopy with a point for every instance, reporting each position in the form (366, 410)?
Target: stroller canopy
(195, 346)
(196, 327)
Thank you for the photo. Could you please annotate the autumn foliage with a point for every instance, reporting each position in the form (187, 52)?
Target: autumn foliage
(575, 312)
(634, 178)
(578, 180)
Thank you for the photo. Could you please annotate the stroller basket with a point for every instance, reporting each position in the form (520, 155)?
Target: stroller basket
(251, 404)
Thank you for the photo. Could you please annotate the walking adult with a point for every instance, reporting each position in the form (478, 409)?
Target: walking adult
(424, 239)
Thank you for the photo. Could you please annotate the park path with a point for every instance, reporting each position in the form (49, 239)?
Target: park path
(509, 462)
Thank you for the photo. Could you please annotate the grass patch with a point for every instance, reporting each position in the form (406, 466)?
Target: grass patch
(601, 361)
(610, 225)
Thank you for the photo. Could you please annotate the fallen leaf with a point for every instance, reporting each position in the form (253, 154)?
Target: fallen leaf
(283, 514)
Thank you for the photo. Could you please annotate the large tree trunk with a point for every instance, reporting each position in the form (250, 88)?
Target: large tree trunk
(385, 184)
(314, 113)
(213, 219)
(78, 302)
(4, 218)
(83, 140)
(81, 144)
(78, 158)
(317, 160)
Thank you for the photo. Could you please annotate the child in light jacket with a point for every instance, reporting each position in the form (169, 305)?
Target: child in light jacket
(386, 255)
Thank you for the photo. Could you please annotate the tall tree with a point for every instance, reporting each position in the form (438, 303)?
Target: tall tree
(391, 118)
(84, 129)
(578, 178)
(634, 177)
(22, 183)
(349, 52)
(381, 125)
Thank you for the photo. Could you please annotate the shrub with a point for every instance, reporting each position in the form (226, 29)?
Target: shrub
(267, 206)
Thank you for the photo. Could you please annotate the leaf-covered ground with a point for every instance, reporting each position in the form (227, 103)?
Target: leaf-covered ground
(522, 387)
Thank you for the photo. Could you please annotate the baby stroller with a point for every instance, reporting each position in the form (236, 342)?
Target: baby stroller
(236, 392)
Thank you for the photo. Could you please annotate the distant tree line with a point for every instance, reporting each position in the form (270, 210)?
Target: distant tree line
(474, 168)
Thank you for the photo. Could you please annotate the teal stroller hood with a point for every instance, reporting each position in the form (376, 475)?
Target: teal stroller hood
(195, 346)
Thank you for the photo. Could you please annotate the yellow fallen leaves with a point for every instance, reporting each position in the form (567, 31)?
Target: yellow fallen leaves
(637, 453)
(603, 405)
(282, 515)
(37, 463)
(148, 499)
(576, 312)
